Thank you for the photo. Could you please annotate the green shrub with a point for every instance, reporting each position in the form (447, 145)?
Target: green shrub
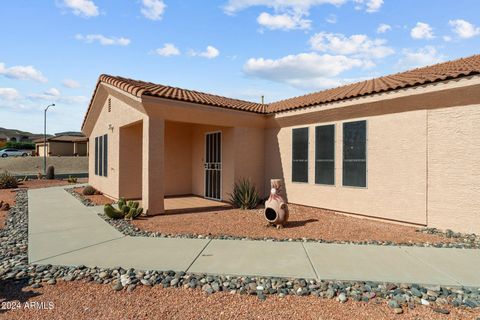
(20, 145)
(7, 181)
(72, 179)
(245, 195)
(89, 191)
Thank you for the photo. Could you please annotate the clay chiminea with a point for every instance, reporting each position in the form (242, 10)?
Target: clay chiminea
(276, 210)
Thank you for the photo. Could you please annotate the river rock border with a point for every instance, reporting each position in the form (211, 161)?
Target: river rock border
(14, 267)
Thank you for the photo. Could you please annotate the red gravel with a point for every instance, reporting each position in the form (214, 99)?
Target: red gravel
(77, 300)
(96, 199)
(305, 222)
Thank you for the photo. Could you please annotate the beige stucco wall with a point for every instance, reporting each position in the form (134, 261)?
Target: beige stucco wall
(396, 179)
(122, 113)
(454, 168)
(178, 158)
(130, 161)
(81, 148)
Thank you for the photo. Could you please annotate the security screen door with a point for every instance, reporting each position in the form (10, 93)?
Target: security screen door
(213, 165)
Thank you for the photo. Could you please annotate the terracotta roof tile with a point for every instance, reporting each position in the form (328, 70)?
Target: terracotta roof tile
(442, 71)
(439, 72)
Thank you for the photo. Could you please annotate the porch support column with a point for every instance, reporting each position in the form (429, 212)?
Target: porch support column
(153, 165)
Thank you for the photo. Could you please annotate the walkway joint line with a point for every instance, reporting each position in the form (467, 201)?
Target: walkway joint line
(196, 258)
(310, 261)
(67, 252)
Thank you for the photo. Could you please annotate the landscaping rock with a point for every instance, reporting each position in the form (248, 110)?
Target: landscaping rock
(439, 310)
(398, 310)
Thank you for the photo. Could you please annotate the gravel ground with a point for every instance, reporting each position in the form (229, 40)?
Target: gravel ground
(93, 301)
(94, 200)
(33, 165)
(304, 222)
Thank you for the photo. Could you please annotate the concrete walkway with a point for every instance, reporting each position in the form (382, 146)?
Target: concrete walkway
(64, 232)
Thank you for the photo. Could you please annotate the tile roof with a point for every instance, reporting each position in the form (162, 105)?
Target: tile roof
(430, 74)
(438, 72)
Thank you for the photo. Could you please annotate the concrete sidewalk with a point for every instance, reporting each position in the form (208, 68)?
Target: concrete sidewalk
(64, 232)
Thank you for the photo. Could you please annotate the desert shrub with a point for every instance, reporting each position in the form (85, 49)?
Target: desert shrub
(7, 181)
(245, 195)
(50, 173)
(72, 179)
(127, 210)
(89, 191)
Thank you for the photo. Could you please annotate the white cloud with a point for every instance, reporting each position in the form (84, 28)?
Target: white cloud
(168, 50)
(9, 94)
(82, 8)
(383, 27)
(331, 19)
(54, 95)
(464, 29)
(70, 83)
(422, 30)
(422, 57)
(447, 38)
(304, 70)
(298, 6)
(22, 73)
(153, 9)
(283, 21)
(371, 5)
(358, 45)
(209, 53)
(103, 40)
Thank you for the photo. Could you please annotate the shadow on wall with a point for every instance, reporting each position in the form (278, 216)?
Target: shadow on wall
(273, 160)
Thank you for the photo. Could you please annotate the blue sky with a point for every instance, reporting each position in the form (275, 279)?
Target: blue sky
(54, 50)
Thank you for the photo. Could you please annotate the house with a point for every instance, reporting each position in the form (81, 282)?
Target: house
(65, 144)
(403, 147)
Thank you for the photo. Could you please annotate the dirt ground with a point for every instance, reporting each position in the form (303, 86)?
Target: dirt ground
(304, 222)
(96, 199)
(33, 165)
(76, 300)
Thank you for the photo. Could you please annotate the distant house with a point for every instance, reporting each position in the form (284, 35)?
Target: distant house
(3, 140)
(63, 144)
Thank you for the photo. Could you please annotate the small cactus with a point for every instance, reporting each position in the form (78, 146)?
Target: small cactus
(50, 173)
(112, 213)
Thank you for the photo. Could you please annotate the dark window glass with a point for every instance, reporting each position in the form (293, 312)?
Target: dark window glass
(355, 154)
(105, 155)
(100, 156)
(325, 154)
(300, 155)
(96, 156)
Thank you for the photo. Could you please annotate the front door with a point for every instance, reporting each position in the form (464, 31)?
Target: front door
(213, 165)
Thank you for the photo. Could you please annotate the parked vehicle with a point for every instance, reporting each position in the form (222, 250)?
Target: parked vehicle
(10, 152)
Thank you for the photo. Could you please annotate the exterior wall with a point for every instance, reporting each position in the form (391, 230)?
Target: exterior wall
(250, 156)
(60, 148)
(454, 168)
(178, 158)
(81, 149)
(39, 147)
(130, 161)
(396, 169)
(122, 114)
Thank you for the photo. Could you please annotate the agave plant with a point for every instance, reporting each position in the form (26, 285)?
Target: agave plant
(245, 195)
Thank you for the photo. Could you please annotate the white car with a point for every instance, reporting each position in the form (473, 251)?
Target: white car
(9, 152)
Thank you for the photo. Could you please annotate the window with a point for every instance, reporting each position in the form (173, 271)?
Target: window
(355, 154)
(300, 155)
(101, 155)
(325, 154)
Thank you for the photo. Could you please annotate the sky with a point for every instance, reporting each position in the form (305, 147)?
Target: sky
(53, 51)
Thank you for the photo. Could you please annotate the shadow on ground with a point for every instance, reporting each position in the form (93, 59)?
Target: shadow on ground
(13, 291)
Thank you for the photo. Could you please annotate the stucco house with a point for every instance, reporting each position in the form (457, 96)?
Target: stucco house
(403, 147)
(63, 144)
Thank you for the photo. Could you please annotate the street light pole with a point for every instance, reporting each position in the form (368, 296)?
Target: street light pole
(45, 138)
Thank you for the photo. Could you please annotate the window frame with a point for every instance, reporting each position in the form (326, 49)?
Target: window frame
(96, 156)
(333, 160)
(308, 155)
(105, 155)
(366, 155)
